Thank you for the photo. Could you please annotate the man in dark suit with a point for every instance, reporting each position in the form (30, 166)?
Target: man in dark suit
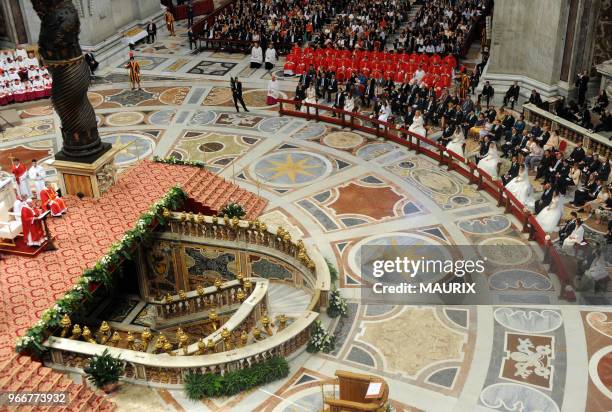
(555, 168)
(332, 87)
(535, 98)
(339, 101)
(586, 194)
(577, 154)
(582, 83)
(512, 95)
(507, 124)
(190, 13)
(370, 92)
(192, 39)
(545, 164)
(511, 145)
(487, 93)
(236, 86)
(545, 199)
(569, 227)
(512, 172)
(151, 32)
(91, 62)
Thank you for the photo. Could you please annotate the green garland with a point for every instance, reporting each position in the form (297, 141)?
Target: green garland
(211, 385)
(101, 273)
(232, 210)
(174, 161)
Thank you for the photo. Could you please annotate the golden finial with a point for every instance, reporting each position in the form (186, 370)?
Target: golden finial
(166, 213)
(247, 285)
(244, 337)
(263, 227)
(280, 231)
(168, 347)
(200, 290)
(311, 264)
(300, 244)
(240, 277)
(201, 347)
(65, 322)
(212, 316)
(215, 220)
(210, 345)
(87, 335)
(218, 283)
(159, 344)
(76, 332)
(282, 321)
(104, 330)
(235, 222)
(302, 256)
(265, 321)
(183, 217)
(130, 340)
(226, 220)
(169, 298)
(200, 218)
(226, 335)
(182, 294)
(115, 338)
(146, 336)
(240, 295)
(191, 217)
(256, 333)
(287, 237)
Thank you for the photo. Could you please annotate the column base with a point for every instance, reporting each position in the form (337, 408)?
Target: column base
(88, 179)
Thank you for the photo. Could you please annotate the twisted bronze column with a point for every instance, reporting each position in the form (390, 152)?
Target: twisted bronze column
(60, 50)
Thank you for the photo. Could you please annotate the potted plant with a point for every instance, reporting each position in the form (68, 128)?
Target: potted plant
(104, 371)
(232, 210)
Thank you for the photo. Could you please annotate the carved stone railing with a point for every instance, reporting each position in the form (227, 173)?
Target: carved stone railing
(197, 301)
(255, 236)
(168, 371)
(567, 130)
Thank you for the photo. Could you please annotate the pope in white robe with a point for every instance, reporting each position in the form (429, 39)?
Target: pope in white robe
(37, 174)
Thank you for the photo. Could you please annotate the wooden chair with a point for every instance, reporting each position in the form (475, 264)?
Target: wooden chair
(353, 394)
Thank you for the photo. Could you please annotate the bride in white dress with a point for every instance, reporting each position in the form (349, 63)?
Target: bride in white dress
(521, 188)
(385, 111)
(490, 161)
(417, 125)
(311, 95)
(549, 217)
(457, 142)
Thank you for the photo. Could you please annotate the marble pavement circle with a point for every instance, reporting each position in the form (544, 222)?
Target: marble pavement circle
(291, 168)
(96, 99)
(343, 140)
(142, 146)
(410, 245)
(125, 119)
(506, 251)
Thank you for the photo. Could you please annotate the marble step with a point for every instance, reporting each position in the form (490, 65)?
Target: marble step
(287, 299)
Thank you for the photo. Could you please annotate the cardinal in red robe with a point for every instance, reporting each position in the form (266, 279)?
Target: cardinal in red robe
(33, 231)
(21, 177)
(51, 201)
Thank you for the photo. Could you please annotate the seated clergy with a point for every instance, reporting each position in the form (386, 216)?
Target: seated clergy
(33, 231)
(51, 201)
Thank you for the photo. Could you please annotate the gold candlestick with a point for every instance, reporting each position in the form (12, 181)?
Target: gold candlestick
(115, 339)
(87, 335)
(104, 331)
(130, 341)
(76, 332)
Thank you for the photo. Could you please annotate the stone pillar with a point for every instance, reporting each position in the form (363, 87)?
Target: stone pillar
(542, 44)
(527, 44)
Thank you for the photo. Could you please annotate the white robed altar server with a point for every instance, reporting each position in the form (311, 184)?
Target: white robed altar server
(549, 217)
(490, 161)
(36, 174)
(273, 91)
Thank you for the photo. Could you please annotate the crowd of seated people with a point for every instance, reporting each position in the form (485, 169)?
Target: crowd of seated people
(582, 116)
(22, 78)
(442, 27)
(361, 66)
(281, 23)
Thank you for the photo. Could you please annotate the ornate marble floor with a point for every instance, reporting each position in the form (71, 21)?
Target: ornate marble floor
(340, 190)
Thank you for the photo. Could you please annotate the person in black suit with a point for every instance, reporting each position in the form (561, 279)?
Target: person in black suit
(555, 167)
(586, 194)
(236, 86)
(300, 95)
(339, 101)
(151, 32)
(512, 172)
(545, 164)
(91, 62)
(603, 171)
(332, 87)
(510, 145)
(512, 95)
(569, 227)
(190, 13)
(192, 39)
(487, 93)
(582, 83)
(484, 148)
(535, 98)
(577, 154)
(370, 92)
(545, 199)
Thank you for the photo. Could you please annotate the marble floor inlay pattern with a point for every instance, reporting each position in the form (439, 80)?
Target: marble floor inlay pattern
(340, 190)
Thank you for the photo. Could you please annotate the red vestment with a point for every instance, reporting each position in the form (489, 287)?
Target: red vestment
(33, 231)
(18, 171)
(50, 200)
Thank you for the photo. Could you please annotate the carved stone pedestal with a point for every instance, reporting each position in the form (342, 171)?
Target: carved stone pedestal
(90, 179)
